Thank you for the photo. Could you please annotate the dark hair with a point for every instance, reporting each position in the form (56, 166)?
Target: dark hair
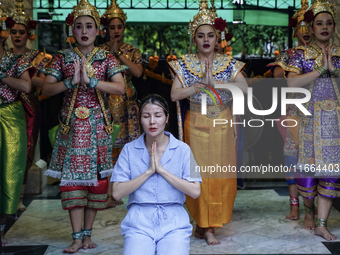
(204, 25)
(157, 100)
(95, 23)
(323, 12)
(26, 28)
(107, 35)
(154, 99)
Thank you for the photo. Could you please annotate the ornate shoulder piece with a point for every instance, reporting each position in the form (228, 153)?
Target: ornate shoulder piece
(284, 57)
(101, 54)
(300, 48)
(176, 70)
(312, 52)
(336, 52)
(194, 65)
(220, 63)
(8, 60)
(174, 66)
(128, 47)
(68, 55)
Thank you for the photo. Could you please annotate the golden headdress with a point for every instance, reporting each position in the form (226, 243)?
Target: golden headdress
(204, 17)
(20, 17)
(84, 8)
(299, 14)
(221, 26)
(300, 19)
(323, 6)
(3, 17)
(114, 11)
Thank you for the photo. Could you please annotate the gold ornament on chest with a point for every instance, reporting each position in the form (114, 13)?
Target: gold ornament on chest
(328, 105)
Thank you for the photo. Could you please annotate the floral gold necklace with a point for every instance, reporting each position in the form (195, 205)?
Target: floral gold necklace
(91, 72)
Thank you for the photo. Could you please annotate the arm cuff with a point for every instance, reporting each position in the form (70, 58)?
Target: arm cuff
(336, 72)
(68, 83)
(93, 82)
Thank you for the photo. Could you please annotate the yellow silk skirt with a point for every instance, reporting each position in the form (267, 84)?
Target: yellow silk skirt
(13, 152)
(211, 146)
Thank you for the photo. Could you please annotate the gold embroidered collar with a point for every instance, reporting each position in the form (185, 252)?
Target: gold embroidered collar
(91, 72)
(313, 51)
(194, 65)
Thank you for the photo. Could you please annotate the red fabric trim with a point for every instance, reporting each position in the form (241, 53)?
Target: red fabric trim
(29, 118)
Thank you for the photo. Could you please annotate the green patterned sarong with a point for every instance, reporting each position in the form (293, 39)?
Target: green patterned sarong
(13, 152)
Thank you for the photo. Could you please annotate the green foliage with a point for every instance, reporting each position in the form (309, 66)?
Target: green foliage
(255, 39)
(163, 39)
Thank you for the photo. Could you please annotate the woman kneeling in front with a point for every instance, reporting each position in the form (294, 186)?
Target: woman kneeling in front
(156, 170)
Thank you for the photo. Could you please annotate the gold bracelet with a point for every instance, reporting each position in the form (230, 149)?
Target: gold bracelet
(336, 72)
(118, 53)
(321, 70)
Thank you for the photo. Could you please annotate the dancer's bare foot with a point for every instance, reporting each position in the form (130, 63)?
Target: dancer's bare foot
(21, 207)
(87, 243)
(3, 240)
(308, 222)
(75, 246)
(294, 213)
(199, 232)
(209, 235)
(323, 232)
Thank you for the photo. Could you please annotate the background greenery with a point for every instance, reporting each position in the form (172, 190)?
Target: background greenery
(254, 39)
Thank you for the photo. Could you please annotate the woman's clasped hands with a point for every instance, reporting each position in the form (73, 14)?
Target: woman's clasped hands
(327, 62)
(80, 73)
(207, 75)
(155, 165)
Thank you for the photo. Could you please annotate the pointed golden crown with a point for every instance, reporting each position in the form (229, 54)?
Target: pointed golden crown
(19, 16)
(84, 8)
(299, 13)
(203, 17)
(114, 11)
(323, 6)
(212, 8)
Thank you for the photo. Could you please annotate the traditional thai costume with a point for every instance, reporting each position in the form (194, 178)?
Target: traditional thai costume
(13, 136)
(124, 108)
(211, 145)
(319, 143)
(289, 149)
(81, 156)
(282, 60)
(39, 61)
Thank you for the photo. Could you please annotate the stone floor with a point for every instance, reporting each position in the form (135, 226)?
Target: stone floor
(257, 227)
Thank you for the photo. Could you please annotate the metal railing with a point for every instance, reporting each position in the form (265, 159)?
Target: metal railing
(172, 4)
